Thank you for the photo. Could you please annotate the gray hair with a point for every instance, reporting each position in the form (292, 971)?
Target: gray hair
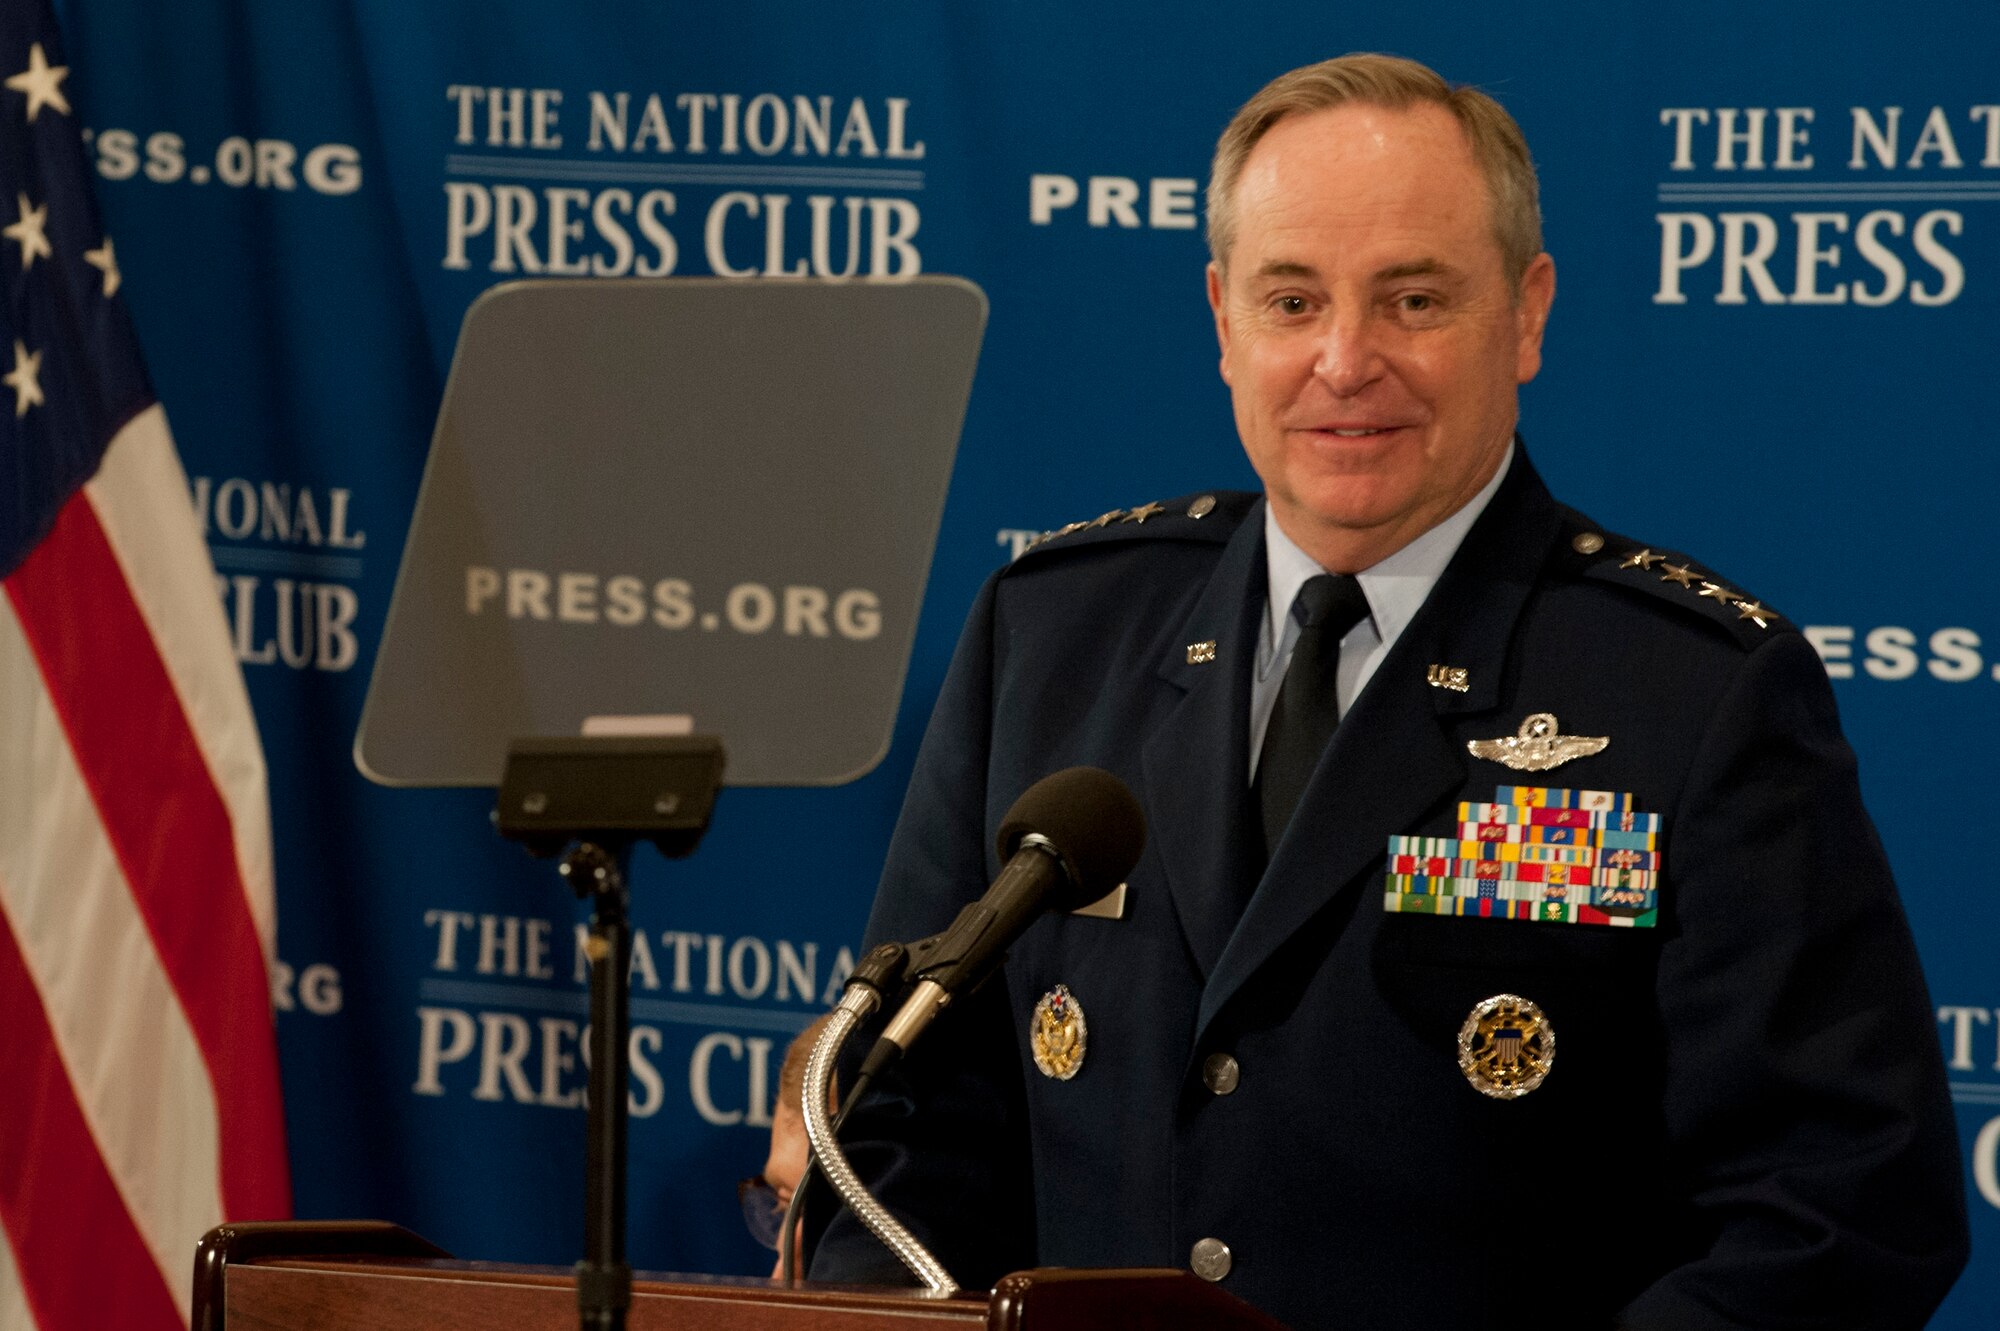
(1497, 143)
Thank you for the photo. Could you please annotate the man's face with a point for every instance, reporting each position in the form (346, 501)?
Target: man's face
(1370, 338)
(786, 1164)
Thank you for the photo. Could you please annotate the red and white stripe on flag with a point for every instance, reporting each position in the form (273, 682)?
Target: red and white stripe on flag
(139, 1099)
(139, 1102)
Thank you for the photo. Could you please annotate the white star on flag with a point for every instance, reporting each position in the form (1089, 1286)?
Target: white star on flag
(25, 379)
(42, 82)
(105, 261)
(138, 1111)
(29, 233)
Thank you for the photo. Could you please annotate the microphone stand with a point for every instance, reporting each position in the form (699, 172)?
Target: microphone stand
(856, 1005)
(1085, 808)
(881, 970)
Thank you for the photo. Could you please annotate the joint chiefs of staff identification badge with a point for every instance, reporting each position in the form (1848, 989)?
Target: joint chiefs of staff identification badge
(1057, 1035)
(1506, 1047)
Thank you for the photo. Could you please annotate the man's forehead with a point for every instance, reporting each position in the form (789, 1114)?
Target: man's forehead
(1358, 166)
(1420, 267)
(1399, 185)
(1364, 130)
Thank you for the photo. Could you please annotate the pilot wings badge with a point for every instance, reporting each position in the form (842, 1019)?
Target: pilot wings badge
(1538, 746)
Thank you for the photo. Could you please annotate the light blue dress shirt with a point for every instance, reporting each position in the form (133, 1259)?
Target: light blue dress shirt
(1396, 589)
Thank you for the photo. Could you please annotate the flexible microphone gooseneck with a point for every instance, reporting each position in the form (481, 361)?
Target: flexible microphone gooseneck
(1071, 838)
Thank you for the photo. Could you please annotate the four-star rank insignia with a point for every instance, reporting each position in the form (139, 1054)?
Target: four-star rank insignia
(1057, 1035)
(1506, 1047)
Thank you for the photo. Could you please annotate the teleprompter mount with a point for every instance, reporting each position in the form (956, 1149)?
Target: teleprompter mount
(599, 796)
(609, 789)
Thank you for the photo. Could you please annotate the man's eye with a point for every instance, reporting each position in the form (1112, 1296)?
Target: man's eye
(1291, 304)
(1417, 302)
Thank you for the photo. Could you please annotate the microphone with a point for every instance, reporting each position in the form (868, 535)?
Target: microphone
(1071, 838)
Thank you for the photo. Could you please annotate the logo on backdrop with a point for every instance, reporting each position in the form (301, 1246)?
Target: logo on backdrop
(614, 183)
(235, 162)
(314, 988)
(504, 1014)
(1971, 1037)
(1161, 203)
(1800, 205)
(1890, 652)
(286, 557)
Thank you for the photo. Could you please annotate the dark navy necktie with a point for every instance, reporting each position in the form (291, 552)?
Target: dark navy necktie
(1308, 706)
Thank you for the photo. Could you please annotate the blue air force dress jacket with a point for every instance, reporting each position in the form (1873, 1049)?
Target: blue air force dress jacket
(1745, 1121)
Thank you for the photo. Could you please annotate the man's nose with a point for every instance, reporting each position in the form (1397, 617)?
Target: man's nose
(1350, 353)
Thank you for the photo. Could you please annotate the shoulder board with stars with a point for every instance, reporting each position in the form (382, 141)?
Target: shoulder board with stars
(1210, 515)
(1672, 577)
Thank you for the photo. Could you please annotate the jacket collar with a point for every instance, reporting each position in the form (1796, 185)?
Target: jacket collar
(1389, 767)
(1196, 765)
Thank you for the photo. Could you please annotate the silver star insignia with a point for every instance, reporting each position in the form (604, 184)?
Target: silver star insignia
(1538, 746)
(1678, 573)
(1716, 592)
(1755, 612)
(1641, 559)
(1141, 513)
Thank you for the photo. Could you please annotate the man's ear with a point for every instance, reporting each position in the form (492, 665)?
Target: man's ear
(1531, 316)
(1220, 310)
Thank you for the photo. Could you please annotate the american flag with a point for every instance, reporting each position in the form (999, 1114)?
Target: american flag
(139, 1099)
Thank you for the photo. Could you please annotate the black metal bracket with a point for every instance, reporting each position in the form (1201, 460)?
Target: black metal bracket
(599, 797)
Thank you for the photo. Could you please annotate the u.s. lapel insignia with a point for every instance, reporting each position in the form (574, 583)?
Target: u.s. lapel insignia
(1506, 1047)
(1201, 653)
(1456, 678)
(1057, 1035)
(1538, 746)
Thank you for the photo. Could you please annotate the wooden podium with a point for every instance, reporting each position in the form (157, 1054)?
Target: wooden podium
(364, 1275)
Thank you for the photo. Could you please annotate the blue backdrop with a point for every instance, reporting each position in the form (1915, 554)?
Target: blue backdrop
(1772, 345)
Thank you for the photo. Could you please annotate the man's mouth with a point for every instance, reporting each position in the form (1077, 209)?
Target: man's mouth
(1352, 431)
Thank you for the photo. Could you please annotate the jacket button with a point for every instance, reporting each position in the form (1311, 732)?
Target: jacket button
(1220, 1074)
(1210, 1259)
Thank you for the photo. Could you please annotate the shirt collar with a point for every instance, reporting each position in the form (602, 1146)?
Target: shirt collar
(1397, 586)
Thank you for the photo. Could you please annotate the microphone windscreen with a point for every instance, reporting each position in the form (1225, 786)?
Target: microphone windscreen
(1094, 823)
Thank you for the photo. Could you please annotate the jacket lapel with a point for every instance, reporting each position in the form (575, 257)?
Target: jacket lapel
(1197, 762)
(1393, 760)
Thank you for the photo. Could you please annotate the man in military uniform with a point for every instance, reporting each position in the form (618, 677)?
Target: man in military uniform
(1511, 947)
